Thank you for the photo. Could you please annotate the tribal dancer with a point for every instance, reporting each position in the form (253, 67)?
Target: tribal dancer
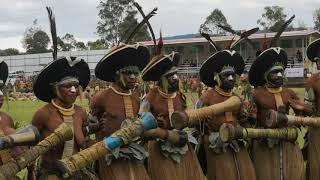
(274, 159)
(224, 160)
(177, 161)
(312, 87)
(6, 122)
(58, 84)
(117, 106)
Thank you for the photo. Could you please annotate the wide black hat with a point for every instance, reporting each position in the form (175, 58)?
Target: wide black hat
(120, 57)
(264, 62)
(3, 73)
(57, 70)
(313, 50)
(216, 62)
(160, 65)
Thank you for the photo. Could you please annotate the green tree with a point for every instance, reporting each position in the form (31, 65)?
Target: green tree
(69, 43)
(301, 25)
(117, 18)
(96, 45)
(9, 52)
(35, 40)
(316, 19)
(212, 22)
(273, 18)
(80, 46)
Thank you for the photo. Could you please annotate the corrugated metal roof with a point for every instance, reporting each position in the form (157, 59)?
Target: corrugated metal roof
(228, 38)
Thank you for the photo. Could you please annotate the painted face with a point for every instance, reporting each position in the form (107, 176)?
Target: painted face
(173, 82)
(129, 79)
(228, 79)
(68, 92)
(275, 77)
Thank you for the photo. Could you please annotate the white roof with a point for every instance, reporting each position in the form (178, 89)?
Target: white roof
(229, 37)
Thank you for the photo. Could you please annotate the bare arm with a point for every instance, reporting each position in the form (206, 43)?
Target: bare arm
(39, 119)
(7, 126)
(80, 128)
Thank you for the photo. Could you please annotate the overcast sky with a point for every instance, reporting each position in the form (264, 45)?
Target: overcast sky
(175, 17)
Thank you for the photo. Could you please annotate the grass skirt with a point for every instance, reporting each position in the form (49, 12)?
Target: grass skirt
(228, 165)
(162, 168)
(313, 165)
(267, 161)
(121, 170)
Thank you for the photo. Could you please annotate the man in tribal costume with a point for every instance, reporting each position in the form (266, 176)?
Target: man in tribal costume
(224, 160)
(6, 122)
(273, 158)
(117, 107)
(177, 161)
(58, 85)
(312, 92)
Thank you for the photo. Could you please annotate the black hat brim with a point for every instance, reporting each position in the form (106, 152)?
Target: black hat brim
(57, 70)
(216, 62)
(312, 50)
(264, 62)
(159, 66)
(127, 55)
(4, 70)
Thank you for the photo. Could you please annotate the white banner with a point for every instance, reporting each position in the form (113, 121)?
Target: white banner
(294, 72)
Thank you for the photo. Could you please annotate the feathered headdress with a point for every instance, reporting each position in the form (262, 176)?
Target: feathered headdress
(53, 32)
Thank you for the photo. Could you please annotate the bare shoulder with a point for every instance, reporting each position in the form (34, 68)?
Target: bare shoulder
(289, 91)
(6, 120)
(206, 96)
(101, 94)
(258, 90)
(99, 98)
(41, 115)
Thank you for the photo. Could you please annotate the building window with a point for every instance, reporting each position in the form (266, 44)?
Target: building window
(286, 43)
(198, 48)
(256, 45)
(180, 49)
(298, 43)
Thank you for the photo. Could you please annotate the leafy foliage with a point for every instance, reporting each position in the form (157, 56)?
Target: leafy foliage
(273, 18)
(117, 18)
(316, 19)
(35, 40)
(9, 52)
(213, 21)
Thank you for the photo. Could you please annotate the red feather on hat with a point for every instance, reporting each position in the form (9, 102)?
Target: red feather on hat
(160, 44)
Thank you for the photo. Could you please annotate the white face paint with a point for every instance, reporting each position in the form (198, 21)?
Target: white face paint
(73, 89)
(230, 77)
(279, 74)
(132, 76)
(175, 76)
